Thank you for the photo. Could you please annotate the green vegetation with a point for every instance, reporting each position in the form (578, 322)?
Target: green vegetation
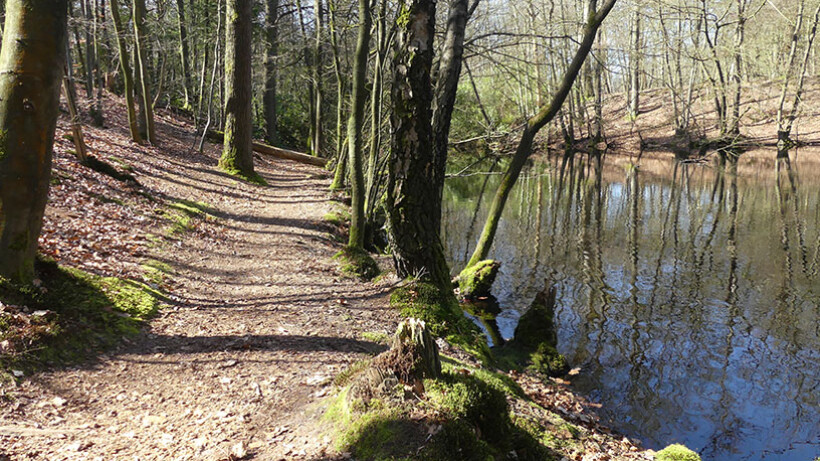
(442, 314)
(463, 415)
(376, 337)
(181, 215)
(477, 280)
(337, 218)
(252, 177)
(156, 271)
(355, 262)
(676, 452)
(72, 313)
(192, 208)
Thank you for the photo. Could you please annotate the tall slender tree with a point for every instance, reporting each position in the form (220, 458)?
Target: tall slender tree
(127, 74)
(271, 50)
(146, 103)
(184, 55)
(354, 127)
(237, 154)
(31, 71)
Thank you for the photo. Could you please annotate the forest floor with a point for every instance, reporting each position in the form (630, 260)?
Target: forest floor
(258, 324)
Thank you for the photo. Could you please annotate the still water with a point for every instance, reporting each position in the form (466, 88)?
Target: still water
(689, 297)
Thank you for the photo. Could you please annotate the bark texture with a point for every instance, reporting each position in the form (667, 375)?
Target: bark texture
(354, 127)
(237, 153)
(414, 180)
(31, 71)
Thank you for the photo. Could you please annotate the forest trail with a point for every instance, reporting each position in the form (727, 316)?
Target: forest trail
(260, 324)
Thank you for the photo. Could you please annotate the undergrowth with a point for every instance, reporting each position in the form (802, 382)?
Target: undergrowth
(68, 315)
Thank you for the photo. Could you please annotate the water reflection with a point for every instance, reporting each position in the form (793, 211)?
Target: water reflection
(686, 292)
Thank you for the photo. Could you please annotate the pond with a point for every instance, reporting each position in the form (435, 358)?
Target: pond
(687, 294)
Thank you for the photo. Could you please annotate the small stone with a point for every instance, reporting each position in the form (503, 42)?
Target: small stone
(17, 373)
(239, 451)
(58, 401)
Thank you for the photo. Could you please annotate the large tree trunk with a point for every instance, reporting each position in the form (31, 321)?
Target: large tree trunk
(354, 127)
(127, 75)
(184, 54)
(141, 67)
(271, 50)
(31, 71)
(237, 154)
(414, 180)
(534, 124)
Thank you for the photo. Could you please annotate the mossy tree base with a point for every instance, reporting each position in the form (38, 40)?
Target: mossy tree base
(676, 452)
(250, 177)
(356, 262)
(535, 339)
(476, 281)
(77, 313)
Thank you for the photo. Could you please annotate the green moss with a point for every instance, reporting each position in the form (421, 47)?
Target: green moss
(442, 314)
(457, 441)
(252, 177)
(376, 337)
(156, 271)
(676, 452)
(337, 218)
(355, 262)
(468, 398)
(535, 339)
(345, 377)
(192, 208)
(180, 223)
(86, 312)
(121, 163)
(477, 280)
(546, 360)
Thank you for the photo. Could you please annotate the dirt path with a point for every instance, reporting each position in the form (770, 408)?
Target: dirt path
(263, 321)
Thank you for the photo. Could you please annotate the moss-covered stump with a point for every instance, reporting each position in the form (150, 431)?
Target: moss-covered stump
(477, 281)
(535, 338)
(676, 452)
(442, 314)
(461, 415)
(69, 314)
(356, 262)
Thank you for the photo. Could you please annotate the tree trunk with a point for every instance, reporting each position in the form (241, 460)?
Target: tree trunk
(237, 154)
(141, 67)
(127, 75)
(354, 127)
(31, 70)
(534, 124)
(318, 90)
(271, 50)
(635, 65)
(446, 89)
(413, 182)
(184, 55)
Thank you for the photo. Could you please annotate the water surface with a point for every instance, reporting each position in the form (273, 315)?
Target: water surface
(688, 295)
